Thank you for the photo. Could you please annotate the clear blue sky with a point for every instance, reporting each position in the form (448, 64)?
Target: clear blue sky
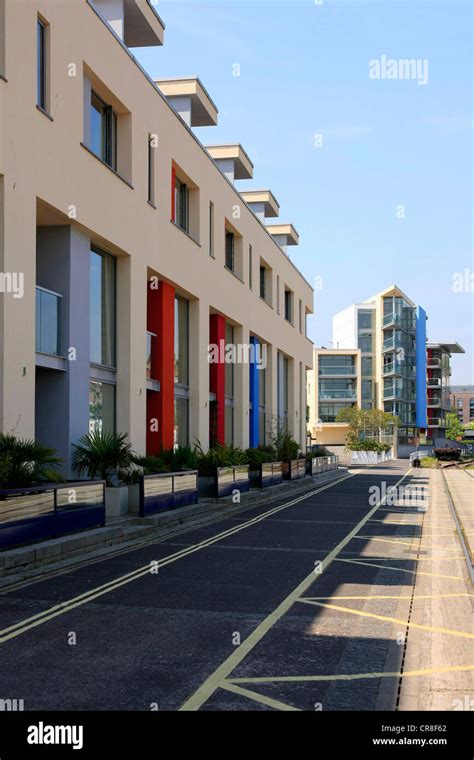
(304, 70)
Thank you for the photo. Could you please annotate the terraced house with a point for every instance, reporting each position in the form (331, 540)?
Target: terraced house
(134, 248)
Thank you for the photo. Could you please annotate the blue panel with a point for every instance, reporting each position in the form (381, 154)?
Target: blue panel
(254, 396)
(43, 527)
(421, 420)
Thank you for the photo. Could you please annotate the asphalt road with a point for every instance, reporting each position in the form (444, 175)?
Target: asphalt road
(188, 622)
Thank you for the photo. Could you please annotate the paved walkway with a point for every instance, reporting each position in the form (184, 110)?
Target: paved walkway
(461, 486)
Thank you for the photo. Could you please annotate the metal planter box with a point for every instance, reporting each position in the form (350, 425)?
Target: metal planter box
(229, 479)
(159, 493)
(295, 469)
(270, 474)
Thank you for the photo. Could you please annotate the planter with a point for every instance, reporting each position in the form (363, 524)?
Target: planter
(164, 491)
(365, 457)
(295, 469)
(270, 474)
(116, 501)
(134, 498)
(207, 486)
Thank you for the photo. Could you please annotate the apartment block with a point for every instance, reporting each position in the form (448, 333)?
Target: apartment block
(461, 398)
(334, 384)
(133, 247)
(438, 402)
(390, 331)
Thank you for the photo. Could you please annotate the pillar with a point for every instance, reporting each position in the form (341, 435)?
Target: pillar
(160, 404)
(217, 377)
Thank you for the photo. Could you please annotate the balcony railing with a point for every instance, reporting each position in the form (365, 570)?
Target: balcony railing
(340, 395)
(433, 402)
(397, 319)
(392, 391)
(433, 382)
(48, 319)
(433, 363)
(434, 422)
(334, 371)
(150, 349)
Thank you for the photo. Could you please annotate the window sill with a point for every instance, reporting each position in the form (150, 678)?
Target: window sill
(185, 233)
(266, 302)
(150, 203)
(289, 321)
(101, 161)
(45, 113)
(235, 275)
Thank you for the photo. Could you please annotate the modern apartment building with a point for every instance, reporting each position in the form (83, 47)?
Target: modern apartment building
(461, 398)
(438, 403)
(334, 384)
(390, 331)
(127, 250)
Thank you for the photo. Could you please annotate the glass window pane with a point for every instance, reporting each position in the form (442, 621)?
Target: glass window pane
(97, 127)
(41, 65)
(181, 435)
(181, 329)
(102, 308)
(101, 407)
(229, 424)
(229, 367)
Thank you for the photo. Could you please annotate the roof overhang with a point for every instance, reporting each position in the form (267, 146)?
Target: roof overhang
(203, 109)
(142, 25)
(292, 237)
(453, 348)
(243, 167)
(271, 205)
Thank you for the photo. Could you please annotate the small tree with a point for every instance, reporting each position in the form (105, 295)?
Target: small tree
(103, 456)
(454, 429)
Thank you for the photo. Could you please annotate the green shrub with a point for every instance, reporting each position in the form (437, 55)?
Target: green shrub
(104, 456)
(25, 463)
(218, 456)
(428, 462)
(259, 455)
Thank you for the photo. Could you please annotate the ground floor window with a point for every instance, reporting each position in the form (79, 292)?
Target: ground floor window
(229, 422)
(101, 407)
(181, 422)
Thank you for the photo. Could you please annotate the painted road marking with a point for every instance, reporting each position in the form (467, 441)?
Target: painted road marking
(229, 686)
(213, 682)
(389, 596)
(372, 615)
(354, 676)
(70, 604)
(403, 569)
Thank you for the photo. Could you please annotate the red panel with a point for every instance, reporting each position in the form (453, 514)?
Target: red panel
(173, 194)
(217, 375)
(160, 405)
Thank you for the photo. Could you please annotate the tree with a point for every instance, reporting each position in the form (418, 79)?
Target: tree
(454, 429)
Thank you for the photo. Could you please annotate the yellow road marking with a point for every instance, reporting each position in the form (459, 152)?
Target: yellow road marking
(403, 569)
(213, 682)
(354, 676)
(63, 607)
(258, 697)
(372, 615)
(390, 596)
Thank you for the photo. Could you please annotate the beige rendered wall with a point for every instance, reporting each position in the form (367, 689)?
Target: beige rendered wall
(43, 162)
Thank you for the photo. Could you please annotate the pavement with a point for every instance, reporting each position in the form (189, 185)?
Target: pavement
(303, 602)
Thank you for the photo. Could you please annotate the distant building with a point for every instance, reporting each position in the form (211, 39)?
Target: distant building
(462, 402)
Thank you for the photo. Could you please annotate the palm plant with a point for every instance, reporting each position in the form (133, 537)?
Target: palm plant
(103, 456)
(25, 462)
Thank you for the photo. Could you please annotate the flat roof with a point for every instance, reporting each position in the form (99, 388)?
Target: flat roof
(453, 348)
(272, 207)
(142, 25)
(243, 166)
(203, 109)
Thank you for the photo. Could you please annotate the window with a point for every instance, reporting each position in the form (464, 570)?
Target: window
(288, 305)
(211, 230)
(262, 406)
(367, 366)
(229, 390)
(181, 421)
(250, 267)
(102, 308)
(103, 131)
(365, 343)
(364, 320)
(151, 170)
(300, 316)
(229, 250)
(471, 409)
(41, 63)
(101, 407)
(182, 205)
(263, 277)
(278, 294)
(181, 329)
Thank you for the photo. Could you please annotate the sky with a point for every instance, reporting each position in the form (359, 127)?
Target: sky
(376, 174)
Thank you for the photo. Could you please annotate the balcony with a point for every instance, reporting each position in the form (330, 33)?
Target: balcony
(397, 320)
(48, 316)
(392, 368)
(433, 363)
(433, 402)
(434, 422)
(337, 371)
(392, 391)
(433, 382)
(338, 396)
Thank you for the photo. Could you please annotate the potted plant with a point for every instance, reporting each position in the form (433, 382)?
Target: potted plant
(210, 461)
(107, 456)
(256, 457)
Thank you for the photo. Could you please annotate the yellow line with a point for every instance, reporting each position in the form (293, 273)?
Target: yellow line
(70, 604)
(354, 676)
(403, 569)
(363, 613)
(213, 682)
(258, 697)
(409, 543)
(389, 596)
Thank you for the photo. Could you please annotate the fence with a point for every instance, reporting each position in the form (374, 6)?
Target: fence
(318, 465)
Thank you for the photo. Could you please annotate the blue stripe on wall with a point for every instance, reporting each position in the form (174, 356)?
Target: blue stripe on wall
(421, 420)
(254, 397)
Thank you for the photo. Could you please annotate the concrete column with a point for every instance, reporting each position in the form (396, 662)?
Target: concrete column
(227, 167)
(241, 390)
(62, 396)
(198, 373)
(182, 105)
(131, 350)
(217, 378)
(17, 309)
(258, 209)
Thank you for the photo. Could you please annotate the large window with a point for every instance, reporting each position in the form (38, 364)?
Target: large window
(263, 277)
(288, 305)
(103, 131)
(181, 421)
(102, 308)
(229, 250)
(329, 412)
(331, 389)
(364, 319)
(181, 373)
(41, 65)
(365, 343)
(337, 365)
(101, 407)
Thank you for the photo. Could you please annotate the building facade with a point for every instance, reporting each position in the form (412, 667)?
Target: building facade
(438, 402)
(334, 384)
(127, 249)
(461, 399)
(390, 332)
